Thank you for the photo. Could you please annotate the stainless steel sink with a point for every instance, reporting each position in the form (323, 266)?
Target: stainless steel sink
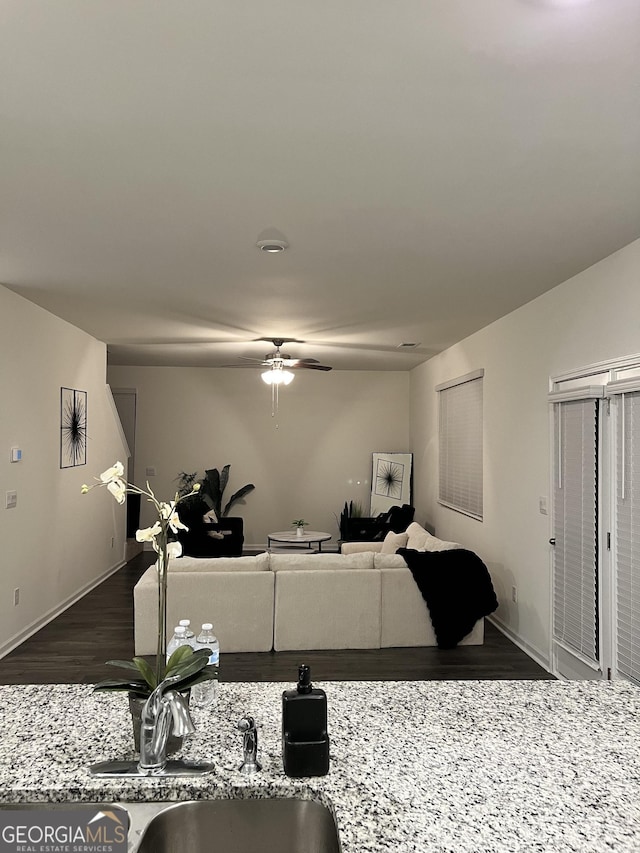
(273, 825)
(242, 826)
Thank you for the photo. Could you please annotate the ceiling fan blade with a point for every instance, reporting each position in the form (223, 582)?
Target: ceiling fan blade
(254, 360)
(295, 362)
(278, 342)
(255, 366)
(311, 366)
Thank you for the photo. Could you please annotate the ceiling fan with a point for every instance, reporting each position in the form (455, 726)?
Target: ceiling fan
(278, 364)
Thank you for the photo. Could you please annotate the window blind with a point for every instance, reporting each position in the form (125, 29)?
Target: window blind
(627, 538)
(460, 444)
(575, 580)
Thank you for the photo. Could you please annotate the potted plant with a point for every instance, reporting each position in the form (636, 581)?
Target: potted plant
(142, 677)
(210, 489)
(299, 524)
(212, 531)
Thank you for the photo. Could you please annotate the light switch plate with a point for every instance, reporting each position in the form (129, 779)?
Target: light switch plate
(12, 500)
(543, 505)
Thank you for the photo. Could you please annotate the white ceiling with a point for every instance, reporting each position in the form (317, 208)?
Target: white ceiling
(433, 164)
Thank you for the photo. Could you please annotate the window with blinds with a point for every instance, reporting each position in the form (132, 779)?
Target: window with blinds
(627, 536)
(575, 580)
(460, 444)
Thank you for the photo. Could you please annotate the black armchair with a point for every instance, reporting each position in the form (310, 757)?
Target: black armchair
(223, 538)
(395, 520)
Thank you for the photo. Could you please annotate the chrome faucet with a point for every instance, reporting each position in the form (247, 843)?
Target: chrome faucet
(250, 763)
(159, 709)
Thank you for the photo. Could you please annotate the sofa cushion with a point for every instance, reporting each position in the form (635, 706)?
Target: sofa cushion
(320, 562)
(389, 561)
(259, 563)
(435, 544)
(393, 541)
(420, 539)
(240, 605)
(417, 536)
(359, 547)
(327, 610)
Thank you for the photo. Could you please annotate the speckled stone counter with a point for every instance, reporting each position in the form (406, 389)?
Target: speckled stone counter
(415, 766)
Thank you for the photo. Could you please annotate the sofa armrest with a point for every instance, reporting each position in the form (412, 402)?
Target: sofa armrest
(359, 547)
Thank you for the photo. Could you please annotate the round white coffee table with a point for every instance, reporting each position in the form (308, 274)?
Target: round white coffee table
(308, 538)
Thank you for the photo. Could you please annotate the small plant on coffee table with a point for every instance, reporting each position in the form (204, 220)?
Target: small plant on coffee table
(300, 523)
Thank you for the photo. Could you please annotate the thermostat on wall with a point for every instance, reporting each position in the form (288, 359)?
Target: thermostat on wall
(16, 454)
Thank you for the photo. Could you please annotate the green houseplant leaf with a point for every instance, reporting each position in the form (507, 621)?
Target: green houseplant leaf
(193, 668)
(237, 496)
(212, 487)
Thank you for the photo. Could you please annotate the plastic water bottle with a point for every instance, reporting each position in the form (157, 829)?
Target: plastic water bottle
(179, 639)
(204, 695)
(190, 636)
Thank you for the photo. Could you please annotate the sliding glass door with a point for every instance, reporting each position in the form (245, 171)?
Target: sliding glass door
(596, 524)
(576, 598)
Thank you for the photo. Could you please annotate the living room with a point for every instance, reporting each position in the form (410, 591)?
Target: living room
(58, 544)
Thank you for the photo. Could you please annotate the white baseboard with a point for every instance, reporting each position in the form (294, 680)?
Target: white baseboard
(50, 615)
(533, 653)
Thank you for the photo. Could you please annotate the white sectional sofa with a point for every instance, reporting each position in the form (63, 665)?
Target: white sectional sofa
(362, 598)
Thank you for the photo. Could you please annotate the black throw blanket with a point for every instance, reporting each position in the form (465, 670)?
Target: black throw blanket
(457, 588)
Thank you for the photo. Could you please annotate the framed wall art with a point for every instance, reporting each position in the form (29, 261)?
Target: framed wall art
(391, 481)
(73, 427)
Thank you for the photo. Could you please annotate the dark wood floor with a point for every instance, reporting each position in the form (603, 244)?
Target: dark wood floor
(73, 648)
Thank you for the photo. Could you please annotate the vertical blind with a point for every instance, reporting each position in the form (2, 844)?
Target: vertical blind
(460, 444)
(627, 537)
(575, 581)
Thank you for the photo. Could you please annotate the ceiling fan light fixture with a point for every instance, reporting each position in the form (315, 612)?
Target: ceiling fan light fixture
(274, 247)
(277, 376)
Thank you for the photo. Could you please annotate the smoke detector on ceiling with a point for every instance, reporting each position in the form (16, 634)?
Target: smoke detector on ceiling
(272, 246)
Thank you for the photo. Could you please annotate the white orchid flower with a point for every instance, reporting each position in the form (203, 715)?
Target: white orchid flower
(174, 549)
(118, 489)
(175, 524)
(148, 534)
(113, 473)
(168, 512)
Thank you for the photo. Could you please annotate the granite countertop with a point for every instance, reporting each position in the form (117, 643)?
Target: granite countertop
(415, 766)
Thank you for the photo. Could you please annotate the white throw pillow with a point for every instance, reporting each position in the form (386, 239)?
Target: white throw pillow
(421, 540)
(417, 537)
(393, 541)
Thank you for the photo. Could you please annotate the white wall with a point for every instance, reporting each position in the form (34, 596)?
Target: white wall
(304, 463)
(56, 543)
(592, 317)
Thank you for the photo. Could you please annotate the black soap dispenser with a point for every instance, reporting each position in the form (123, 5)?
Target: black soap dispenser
(305, 742)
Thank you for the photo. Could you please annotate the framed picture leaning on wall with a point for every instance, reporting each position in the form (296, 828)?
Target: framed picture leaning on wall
(391, 481)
